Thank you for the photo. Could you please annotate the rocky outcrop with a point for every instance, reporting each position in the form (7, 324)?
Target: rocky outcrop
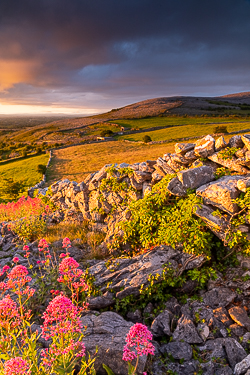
(108, 331)
(193, 166)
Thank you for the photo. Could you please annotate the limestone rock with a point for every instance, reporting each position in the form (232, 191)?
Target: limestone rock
(239, 315)
(108, 332)
(222, 315)
(190, 156)
(217, 224)
(220, 143)
(243, 184)
(235, 352)
(241, 152)
(175, 187)
(186, 331)
(228, 163)
(156, 176)
(178, 158)
(178, 350)
(246, 139)
(236, 141)
(195, 177)
(243, 366)
(176, 166)
(205, 146)
(219, 297)
(221, 193)
(182, 148)
(161, 324)
(142, 176)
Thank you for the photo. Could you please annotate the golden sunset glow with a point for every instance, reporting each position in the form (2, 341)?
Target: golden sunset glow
(8, 109)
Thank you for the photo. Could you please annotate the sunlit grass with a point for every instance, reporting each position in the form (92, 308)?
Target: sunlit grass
(76, 162)
(25, 169)
(183, 132)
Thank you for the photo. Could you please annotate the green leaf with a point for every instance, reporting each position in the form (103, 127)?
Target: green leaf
(108, 370)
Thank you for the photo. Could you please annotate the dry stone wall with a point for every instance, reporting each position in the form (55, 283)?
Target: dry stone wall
(195, 166)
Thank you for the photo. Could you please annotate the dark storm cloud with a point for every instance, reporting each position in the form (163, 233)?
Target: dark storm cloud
(65, 51)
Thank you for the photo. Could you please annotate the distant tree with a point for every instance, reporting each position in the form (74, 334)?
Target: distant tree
(11, 188)
(106, 133)
(39, 150)
(147, 139)
(220, 129)
(41, 168)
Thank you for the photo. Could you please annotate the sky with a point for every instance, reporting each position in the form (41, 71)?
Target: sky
(89, 56)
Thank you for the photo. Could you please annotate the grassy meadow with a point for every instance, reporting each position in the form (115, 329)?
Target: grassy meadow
(184, 131)
(24, 169)
(76, 162)
(176, 120)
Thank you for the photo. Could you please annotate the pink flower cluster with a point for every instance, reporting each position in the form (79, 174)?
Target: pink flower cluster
(60, 317)
(66, 243)
(70, 275)
(24, 207)
(17, 278)
(16, 366)
(138, 342)
(9, 315)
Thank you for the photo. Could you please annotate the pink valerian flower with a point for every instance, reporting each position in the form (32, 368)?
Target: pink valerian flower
(60, 317)
(70, 275)
(9, 314)
(66, 243)
(63, 255)
(16, 366)
(138, 342)
(5, 269)
(26, 249)
(68, 268)
(15, 259)
(43, 243)
(17, 278)
(43, 246)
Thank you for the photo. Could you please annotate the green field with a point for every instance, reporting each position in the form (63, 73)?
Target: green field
(176, 120)
(183, 131)
(24, 169)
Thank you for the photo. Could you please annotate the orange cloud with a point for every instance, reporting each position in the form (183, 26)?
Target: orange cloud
(13, 72)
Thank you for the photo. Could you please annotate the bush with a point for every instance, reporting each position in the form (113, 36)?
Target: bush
(220, 129)
(41, 168)
(161, 218)
(106, 133)
(147, 139)
(11, 188)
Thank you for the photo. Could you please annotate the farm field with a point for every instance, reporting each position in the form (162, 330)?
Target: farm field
(177, 120)
(183, 131)
(25, 169)
(76, 162)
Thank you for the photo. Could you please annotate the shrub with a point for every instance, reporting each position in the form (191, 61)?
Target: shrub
(161, 218)
(146, 139)
(11, 188)
(41, 168)
(106, 133)
(220, 129)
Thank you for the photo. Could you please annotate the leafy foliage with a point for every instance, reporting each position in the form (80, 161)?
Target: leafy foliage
(220, 129)
(146, 138)
(161, 218)
(227, 153)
